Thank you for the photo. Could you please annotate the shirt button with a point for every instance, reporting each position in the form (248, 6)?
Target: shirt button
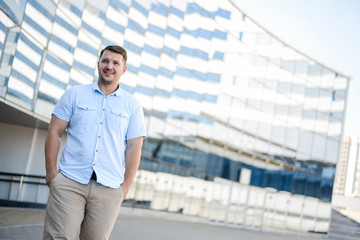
(98, 136)
(103, 109)
(100, 122)
(94, 164)
(97, 150)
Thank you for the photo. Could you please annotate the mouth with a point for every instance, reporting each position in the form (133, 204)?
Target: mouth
(108, 73)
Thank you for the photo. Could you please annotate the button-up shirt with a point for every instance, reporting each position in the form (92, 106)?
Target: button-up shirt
(98, 130)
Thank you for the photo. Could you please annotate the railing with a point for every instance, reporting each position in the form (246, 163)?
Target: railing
(23, 188)
(220, 201)
(230, 203)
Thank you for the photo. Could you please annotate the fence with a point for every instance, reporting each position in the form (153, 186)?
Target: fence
(229, 202)
(23, 188)
(220, 201)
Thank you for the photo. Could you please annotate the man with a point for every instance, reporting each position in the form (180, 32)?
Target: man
(102, 121)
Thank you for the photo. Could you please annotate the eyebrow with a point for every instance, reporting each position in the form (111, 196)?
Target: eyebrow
(106, 59)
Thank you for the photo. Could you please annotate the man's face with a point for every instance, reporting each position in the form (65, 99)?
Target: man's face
(111, 66)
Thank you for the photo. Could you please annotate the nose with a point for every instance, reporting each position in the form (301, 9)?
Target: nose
(109, 65)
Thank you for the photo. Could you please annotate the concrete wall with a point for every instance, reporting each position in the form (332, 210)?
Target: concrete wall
(22, 149)
(347, 203)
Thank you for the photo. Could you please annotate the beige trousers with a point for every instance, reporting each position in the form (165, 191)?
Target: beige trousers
(71, 206)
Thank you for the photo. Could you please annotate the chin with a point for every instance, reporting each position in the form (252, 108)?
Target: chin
(106, 81)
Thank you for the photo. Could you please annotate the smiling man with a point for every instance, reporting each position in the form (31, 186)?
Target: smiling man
(103, 122)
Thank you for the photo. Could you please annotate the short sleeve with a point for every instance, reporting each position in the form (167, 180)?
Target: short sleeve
(64, 107)
(136, 126)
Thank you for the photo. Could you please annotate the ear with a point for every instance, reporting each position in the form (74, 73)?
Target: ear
(125, 68)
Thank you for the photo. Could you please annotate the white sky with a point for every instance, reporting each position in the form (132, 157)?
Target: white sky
(325, 30)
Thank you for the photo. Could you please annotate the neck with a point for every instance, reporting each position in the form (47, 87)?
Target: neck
(108, 89)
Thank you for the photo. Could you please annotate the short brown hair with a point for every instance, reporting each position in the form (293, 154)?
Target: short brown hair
(117, 49)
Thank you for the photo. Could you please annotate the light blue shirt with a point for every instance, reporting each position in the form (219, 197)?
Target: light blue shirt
(99, 127)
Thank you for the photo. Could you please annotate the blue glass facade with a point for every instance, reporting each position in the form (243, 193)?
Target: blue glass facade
(220, 93)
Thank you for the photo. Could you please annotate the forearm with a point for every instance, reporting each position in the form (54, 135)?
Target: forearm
(131, 165)
(52, 146)
(132, 161)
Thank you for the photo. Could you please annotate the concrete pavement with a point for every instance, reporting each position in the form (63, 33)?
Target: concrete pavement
(140, 224)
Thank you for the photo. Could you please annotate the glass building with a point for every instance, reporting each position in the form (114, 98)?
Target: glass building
(221, 95)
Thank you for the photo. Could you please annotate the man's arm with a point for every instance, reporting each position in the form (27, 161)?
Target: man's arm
(52, 145)
(132, 161)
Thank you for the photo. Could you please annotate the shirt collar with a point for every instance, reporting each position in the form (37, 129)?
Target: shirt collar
(96, 87)
(118, 92)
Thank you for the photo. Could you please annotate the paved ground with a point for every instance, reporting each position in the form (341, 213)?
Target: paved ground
(343, 228)
(140, 224)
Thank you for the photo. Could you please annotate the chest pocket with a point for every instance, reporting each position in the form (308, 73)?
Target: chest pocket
(120, 119)
(86, 114)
